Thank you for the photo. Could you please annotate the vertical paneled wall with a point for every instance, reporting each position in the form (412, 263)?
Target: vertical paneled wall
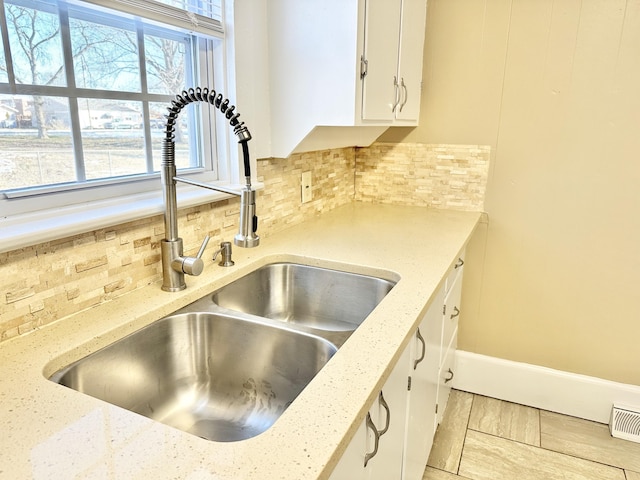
(553, 86)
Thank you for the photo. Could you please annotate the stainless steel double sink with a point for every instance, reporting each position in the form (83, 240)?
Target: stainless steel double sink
(227, 366)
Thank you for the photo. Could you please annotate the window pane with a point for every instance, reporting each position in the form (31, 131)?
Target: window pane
(31, 154)
(106, 93)
(3, 65)
(36, 46)
(157, 112)
(208, 8)
(104, 57)
(165, 60)
(112, 138)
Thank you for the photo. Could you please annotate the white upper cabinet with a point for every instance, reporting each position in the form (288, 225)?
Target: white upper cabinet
(380, 59)
(410, 59)
(320, 96)
(392, 56)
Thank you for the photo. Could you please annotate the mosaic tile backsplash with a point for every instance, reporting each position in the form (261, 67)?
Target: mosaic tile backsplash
(45, 282)
(439, 176)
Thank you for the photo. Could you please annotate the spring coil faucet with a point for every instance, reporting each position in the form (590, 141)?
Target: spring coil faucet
(174, 264)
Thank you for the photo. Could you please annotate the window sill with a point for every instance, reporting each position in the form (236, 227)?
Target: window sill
(21, 231)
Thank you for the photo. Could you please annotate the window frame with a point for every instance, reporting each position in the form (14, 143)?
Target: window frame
(69, 212)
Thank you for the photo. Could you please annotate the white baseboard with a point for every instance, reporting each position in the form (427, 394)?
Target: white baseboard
(554, 390)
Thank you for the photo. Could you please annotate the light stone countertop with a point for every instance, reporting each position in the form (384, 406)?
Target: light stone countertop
(52, 432)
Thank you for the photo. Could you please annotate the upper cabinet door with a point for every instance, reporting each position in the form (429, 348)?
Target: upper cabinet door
(410, 59)
(392, 60)
(380, 59)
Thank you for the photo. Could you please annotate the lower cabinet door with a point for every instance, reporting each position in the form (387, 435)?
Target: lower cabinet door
(422, 395)
(445, 378)
(351, 464)
(389, 413)
(451, 314)
(379, 441)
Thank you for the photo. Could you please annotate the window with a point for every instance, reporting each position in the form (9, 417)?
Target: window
(84, 90)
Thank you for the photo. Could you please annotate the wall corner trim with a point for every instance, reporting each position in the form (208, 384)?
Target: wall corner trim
(572, 394)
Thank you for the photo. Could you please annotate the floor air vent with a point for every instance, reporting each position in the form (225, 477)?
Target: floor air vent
(625, 423)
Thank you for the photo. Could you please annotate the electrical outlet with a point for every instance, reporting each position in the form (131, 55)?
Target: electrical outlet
(305, 186)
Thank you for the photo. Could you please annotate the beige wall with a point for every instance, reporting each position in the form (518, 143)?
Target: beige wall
(553, 86)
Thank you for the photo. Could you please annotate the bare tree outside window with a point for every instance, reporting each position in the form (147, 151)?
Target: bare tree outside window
(34, 37)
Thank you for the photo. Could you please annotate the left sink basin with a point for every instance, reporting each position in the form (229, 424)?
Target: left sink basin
(212, 375)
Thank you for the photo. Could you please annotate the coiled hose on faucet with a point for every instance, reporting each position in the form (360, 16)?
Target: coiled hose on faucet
(199, 94)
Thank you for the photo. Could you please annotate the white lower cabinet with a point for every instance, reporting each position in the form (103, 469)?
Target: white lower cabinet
(375, 452)
(422, 393)
(450, 317)
(394, 440)
(445, 379)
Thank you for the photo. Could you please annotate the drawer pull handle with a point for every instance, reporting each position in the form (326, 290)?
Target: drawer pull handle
(396, 91)
(450, 377)
(459, 264)
(376, 435)
(405, 94)
(424, 349)
(364, 66)
(385, 405)
(456, 312)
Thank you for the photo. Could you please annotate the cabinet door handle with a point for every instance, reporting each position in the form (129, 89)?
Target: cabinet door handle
(459, 263)
(376, 435)
(405, 93)
(396, 91)
(364, 67)
(450, 377)
(424, 349)
(385, 405)
(456, 312)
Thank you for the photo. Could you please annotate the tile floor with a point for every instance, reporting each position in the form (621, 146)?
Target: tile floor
(483, 438)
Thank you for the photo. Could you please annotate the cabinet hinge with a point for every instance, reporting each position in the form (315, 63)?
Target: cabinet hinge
(409, 384)
(364, 67)
(436, 408)
(444, 309)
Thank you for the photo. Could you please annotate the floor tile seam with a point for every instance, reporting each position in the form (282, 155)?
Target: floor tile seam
(539, 411)
(464, 440)
(447, 471)
(551, 451)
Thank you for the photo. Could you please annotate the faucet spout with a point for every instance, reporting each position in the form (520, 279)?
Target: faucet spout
(173, 261)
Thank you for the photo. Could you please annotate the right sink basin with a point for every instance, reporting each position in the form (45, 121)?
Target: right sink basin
(315, 297)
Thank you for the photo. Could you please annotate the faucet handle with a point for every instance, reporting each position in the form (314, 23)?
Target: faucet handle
(191, 265)
(203, 246)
